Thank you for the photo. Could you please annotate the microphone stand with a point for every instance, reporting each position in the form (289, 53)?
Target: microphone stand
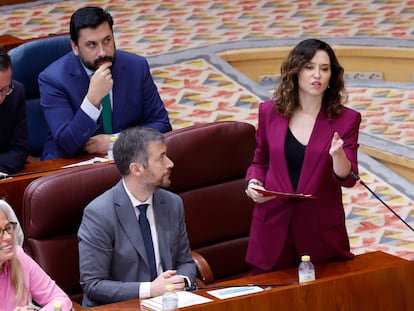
(356, 177)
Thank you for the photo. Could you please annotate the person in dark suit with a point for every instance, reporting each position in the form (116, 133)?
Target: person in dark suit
(72, 88)
(115, 264)
(13, 126)
(307, 143)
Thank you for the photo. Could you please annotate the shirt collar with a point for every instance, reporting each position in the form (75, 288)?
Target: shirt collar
(134, 200)
(88, 71)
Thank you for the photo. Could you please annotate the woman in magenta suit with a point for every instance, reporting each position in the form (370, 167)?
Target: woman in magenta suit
(307, 143)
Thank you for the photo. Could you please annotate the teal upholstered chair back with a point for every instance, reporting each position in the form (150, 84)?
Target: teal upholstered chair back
(28, 60)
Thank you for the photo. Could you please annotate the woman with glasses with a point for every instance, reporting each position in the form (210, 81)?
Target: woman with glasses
(23, 283)
(18, 232)
(13, 126)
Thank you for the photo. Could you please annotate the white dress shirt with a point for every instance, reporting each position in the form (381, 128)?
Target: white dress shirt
(145, 288)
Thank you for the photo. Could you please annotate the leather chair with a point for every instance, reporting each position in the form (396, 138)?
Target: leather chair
(52, 211)
(28, 60)
(210, 165)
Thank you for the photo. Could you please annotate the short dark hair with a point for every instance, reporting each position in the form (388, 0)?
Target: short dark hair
(88, 17)
(132, 146)
(5, 62)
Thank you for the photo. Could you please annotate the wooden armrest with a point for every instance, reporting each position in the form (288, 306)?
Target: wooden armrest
(204, 272)
(76, 306)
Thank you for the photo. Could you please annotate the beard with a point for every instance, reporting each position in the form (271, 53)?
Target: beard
(98, 62)
(155, 183)
(164, 181)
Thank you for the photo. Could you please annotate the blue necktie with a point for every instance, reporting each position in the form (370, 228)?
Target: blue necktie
(146, 234)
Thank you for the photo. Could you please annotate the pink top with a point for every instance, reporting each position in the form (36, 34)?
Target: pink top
(41, 287)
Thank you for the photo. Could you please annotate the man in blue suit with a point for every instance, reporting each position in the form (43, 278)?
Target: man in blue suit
(73, 87)
(13, 126)
(115, 262)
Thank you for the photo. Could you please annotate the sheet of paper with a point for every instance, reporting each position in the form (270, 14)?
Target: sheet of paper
(185, 299)
(87, 162)
(285, 194)
(230, 292)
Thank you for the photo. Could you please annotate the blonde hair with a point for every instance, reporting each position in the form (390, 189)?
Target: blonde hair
(15, 267)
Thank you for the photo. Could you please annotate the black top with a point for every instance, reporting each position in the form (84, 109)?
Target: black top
(294, 153)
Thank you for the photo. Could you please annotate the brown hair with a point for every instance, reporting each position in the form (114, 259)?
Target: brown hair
(286, 95)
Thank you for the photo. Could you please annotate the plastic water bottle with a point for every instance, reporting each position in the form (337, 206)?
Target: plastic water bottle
(170, 299)
(111, 147)
(306, 270)
(57, 305)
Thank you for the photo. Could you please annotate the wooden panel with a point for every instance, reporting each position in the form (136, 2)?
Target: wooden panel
(7, 2)
(399, 164)
(7, 42)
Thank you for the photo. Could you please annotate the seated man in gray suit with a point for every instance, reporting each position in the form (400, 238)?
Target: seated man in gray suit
(120, 256)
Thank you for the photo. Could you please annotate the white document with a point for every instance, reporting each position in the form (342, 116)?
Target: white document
(87, 162)
(185, 299)
(230, 292)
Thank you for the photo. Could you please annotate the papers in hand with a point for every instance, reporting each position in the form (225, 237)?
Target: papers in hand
(284, 194)
(185, 299)
(230, 292)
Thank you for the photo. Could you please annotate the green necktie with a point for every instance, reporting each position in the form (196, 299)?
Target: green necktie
(107, 114)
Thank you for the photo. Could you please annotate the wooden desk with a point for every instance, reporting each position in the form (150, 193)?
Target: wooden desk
(373, 281)
(12, 189)
(7, 2)
(8, 42)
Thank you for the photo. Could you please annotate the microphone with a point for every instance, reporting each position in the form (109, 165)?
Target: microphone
(356, 177)
(194, 287)
(191, 288)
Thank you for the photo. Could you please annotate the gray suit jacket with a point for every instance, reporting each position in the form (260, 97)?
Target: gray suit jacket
(112, 255)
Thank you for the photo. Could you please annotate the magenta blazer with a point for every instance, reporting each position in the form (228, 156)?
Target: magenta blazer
(318, 224)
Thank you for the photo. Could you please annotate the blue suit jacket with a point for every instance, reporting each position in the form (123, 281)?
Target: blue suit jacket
(13, 131)
(318, 224)
(63, 86)
(112, 255)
